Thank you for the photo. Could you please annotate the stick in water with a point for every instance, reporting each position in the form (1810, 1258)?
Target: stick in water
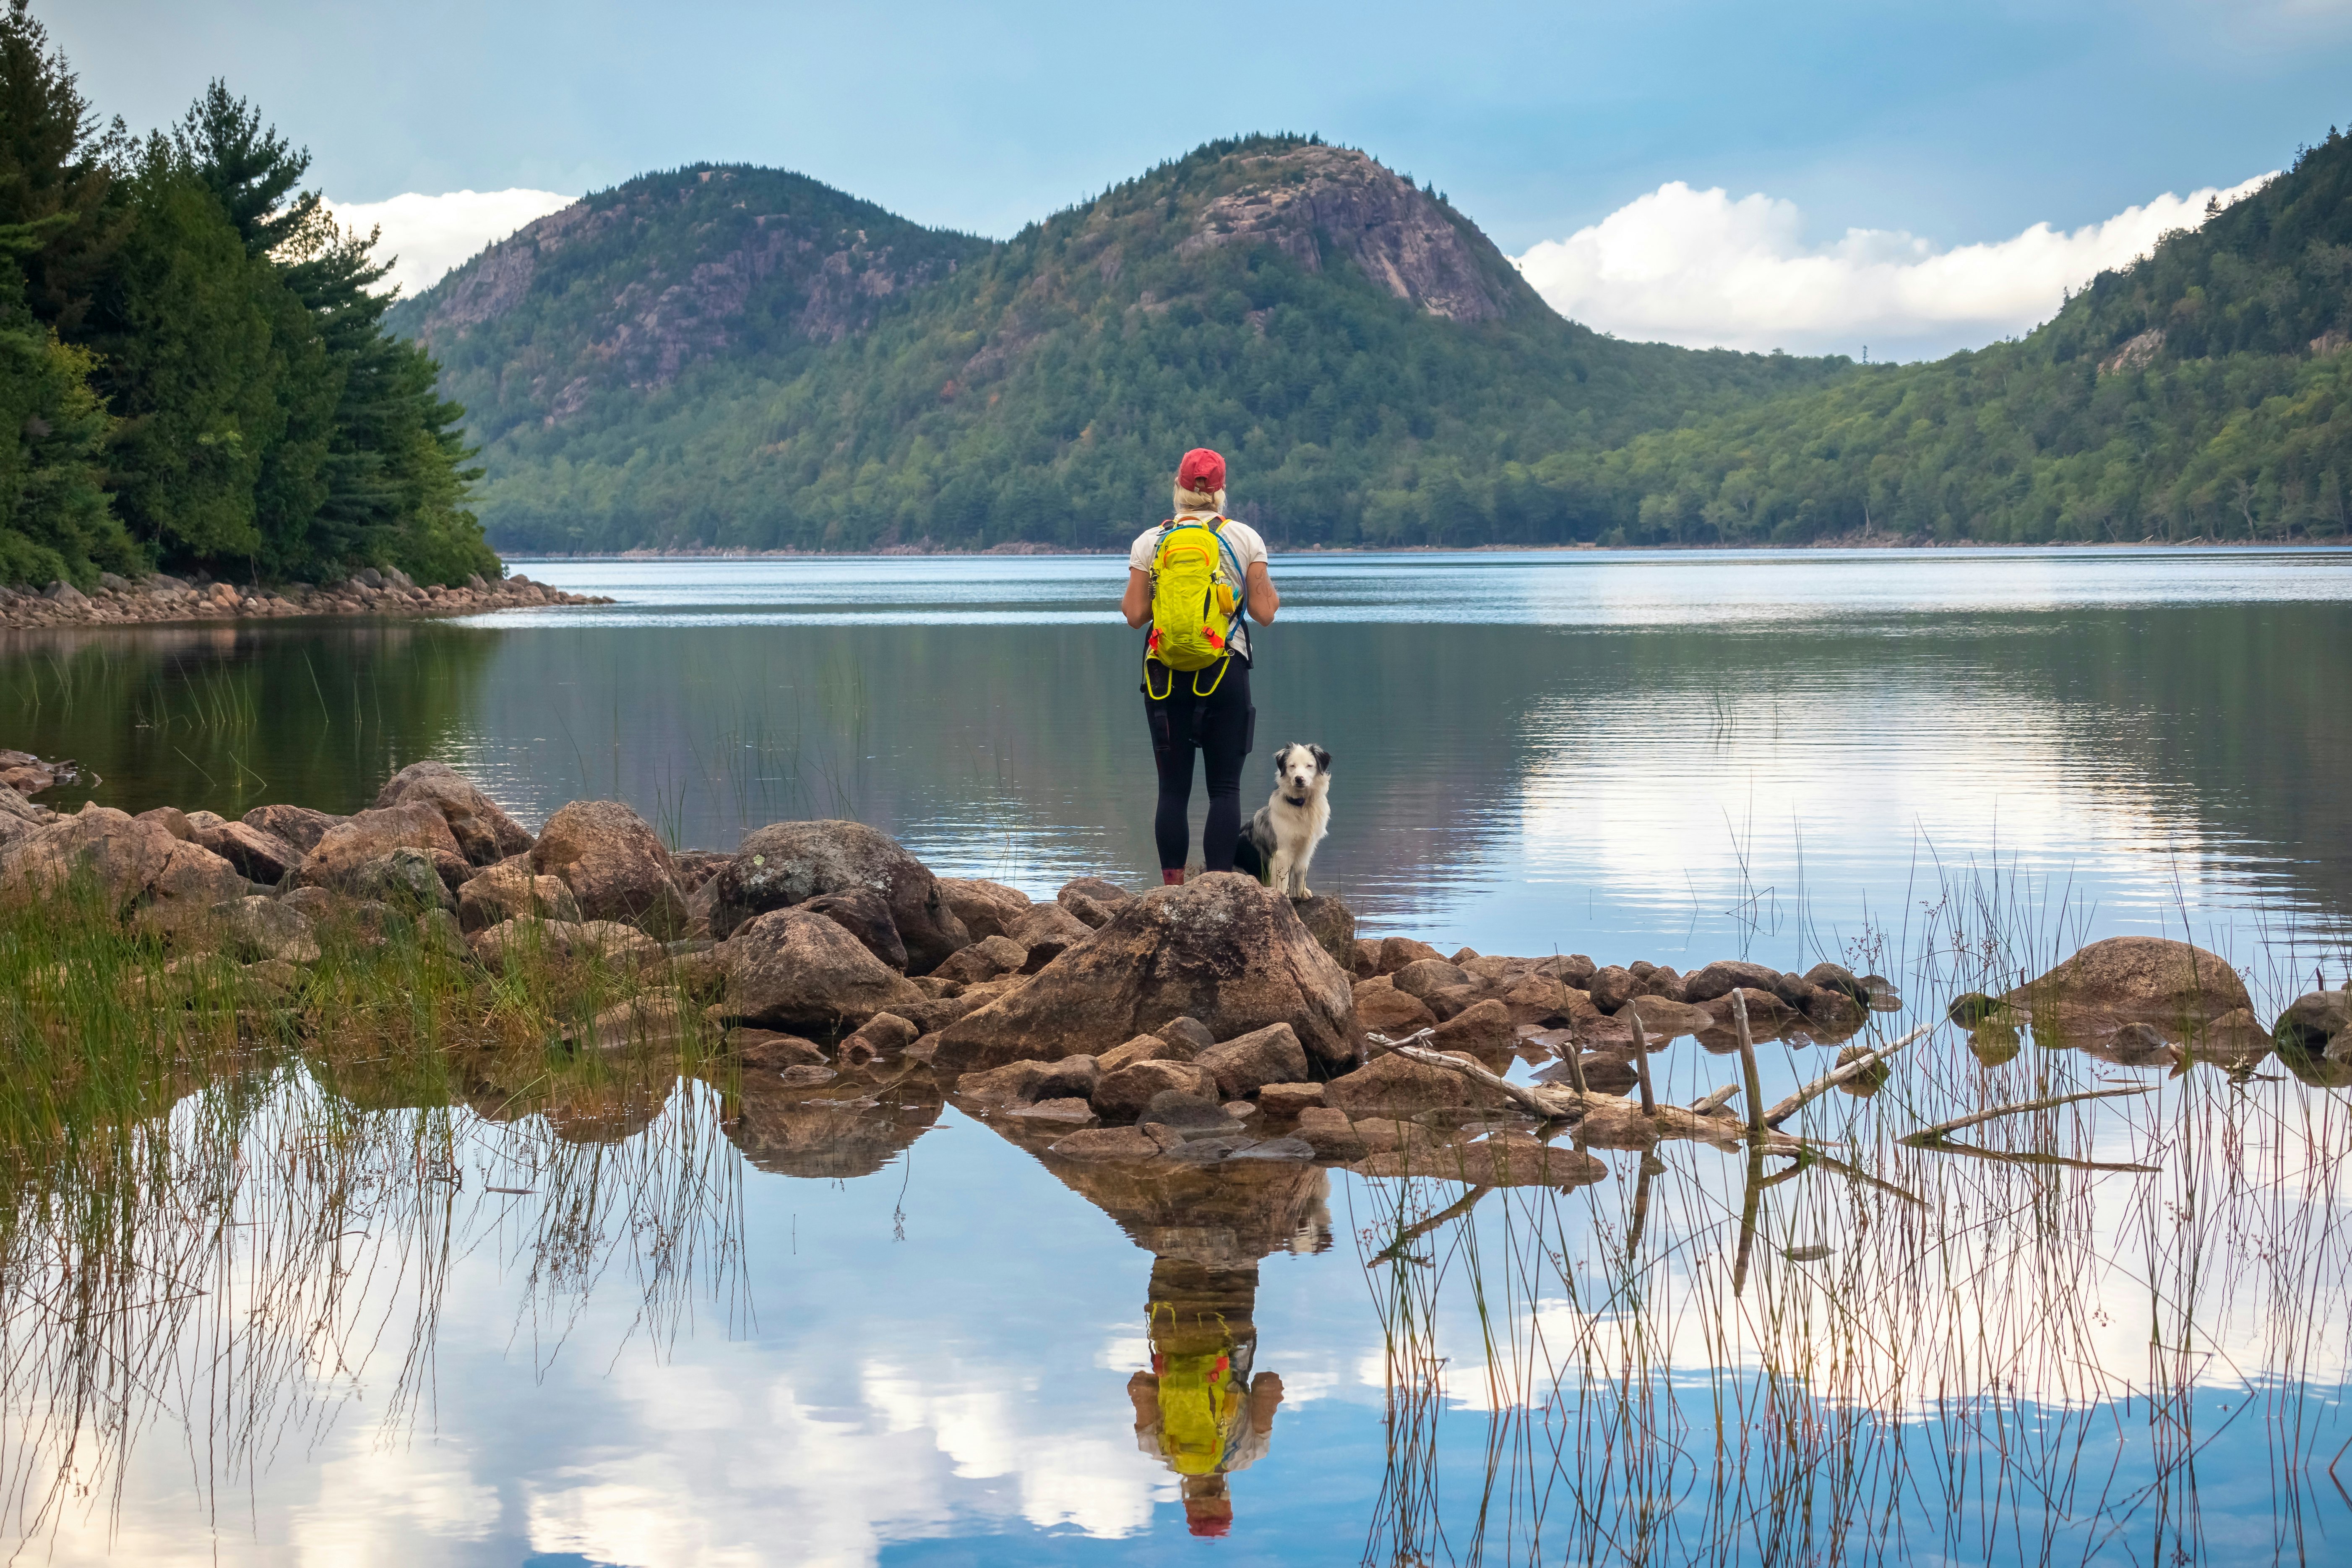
(1747, 1064)
(1642, 1062)
(1827, 1081)
(1930, 1134)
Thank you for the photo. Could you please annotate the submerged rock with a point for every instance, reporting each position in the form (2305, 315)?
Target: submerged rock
(614, 864)
(1220, 948)
(789, 863)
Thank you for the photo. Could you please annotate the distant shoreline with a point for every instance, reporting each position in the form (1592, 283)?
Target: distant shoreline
(1880, 542)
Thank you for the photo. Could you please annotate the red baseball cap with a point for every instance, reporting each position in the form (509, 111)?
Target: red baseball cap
(1201, 470)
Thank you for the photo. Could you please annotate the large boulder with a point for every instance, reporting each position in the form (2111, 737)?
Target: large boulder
(485, 834)
(1220, 949)
(297, 824)
(986, 908)
(133, 867)
(1333, 923)
(789, 863)
(357, 841)
(2133, 980)
(791, 970)
(1726, 975)
(614, 863)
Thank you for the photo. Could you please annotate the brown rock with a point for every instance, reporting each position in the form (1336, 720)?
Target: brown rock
(1110, 1143)
(1396, 951)
(879, 1037)
(1365, 961)
(793, 970)
(1839, 978)
(1612, 987)
(986, 908)
(1385, 1010)
(984, 960)
(1392, 1085)
(614, 864)
(1664, 982)
(639, 1023)
(1244, 1065)
(1070, 1108)
(1481, 1028)
(1014, 1083)
(2133, 979)
(862, 912)
(1091, 900)
(1289, 1099)
(695, 867)
(1726, 975)
(172, 820)
(1662, 1019)
(1424, 977)
(1547, 1000)
(1220, 948)
(485, 834)
(789, 863)
(524, 940)
(1071, 1077)
(1333, 924)
(1328, 1131)
(1616, 1124)
(370, 838)
(297, 824)
(769, 1050)
(1144, 1048)
(1047, 931)
(129, 863)
(1121, 1096)
(252, 930)
(261, 857)
(1766, 1012)
(509, 891)
(1190, 1033)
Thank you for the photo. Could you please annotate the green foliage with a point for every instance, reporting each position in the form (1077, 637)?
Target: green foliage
(237, 390)
(1043, 389)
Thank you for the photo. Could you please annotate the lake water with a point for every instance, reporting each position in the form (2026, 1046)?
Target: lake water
(669, 1346)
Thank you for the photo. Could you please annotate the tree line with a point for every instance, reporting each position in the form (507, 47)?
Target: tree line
(196, 376)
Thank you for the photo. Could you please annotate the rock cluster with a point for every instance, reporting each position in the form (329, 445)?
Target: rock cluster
(373, 591)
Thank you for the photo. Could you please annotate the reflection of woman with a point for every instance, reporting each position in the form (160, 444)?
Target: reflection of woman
(1196, 689)
(1198, 1410)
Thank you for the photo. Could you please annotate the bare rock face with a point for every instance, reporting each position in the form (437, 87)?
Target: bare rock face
(1304, 199)
(262, 857)
(791, 970)
(789, 863)
(512, 890)
(19, 816)
(485, 834)
(1047, 931)
(1723, 977)
(134, 866)
(1396, 1085)
(614, 864)
(1091, 900)
(986, 908)
(368, 836)
(297, 824)
(862, 912)
(1220, 949)
(2134, 980)
(1247, 1064)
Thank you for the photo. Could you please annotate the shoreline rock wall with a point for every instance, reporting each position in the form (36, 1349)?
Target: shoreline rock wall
(161, 600)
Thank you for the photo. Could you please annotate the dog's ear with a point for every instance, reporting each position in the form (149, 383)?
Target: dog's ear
(1322, 759)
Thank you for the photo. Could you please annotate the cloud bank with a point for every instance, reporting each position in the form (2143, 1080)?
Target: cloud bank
(1698, 268)
(432, 234)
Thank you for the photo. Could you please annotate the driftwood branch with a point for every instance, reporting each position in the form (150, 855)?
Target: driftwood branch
(1721, 1097)
(1927, 1135)
(1555, 1104)
(1830, 1080)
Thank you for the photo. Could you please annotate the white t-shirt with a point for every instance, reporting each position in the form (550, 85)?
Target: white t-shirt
(1239, 537)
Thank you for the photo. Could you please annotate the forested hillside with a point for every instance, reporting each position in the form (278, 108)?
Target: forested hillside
(2205, 391)
(730, 356)
(196, 372)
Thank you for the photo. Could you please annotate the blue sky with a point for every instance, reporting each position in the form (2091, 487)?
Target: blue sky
(1947, 124)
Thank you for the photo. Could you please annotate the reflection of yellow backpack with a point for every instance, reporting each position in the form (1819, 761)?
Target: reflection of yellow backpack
(1195, 1407)
(1196, 586)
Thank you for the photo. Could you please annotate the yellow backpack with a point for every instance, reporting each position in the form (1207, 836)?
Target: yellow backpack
(1196, 584)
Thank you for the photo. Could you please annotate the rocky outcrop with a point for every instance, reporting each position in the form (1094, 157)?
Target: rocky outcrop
(789, 863)
(133, 867)
(614, 864)
(370, 836)
(2168, 985)
(374, 592)
(260, 856)
(1220, 949)
(986, 908)
(297, 824)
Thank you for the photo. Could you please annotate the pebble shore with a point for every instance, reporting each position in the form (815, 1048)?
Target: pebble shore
(159, 599)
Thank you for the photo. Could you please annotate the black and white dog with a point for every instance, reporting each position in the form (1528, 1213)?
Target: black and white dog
(1293, 819)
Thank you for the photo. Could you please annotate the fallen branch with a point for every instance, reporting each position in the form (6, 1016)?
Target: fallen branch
(2027, 1157)
(1553, 1104)
(1927, 1135)
(1846, 1074)
(1721, 1097)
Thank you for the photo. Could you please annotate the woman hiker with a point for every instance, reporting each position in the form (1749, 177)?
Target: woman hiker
(1198, 580)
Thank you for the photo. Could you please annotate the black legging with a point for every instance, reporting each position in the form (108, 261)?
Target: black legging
(1220, 724)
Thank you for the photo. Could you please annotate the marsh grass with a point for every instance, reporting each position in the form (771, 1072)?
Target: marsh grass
(225, 1190)
(2116, 1331)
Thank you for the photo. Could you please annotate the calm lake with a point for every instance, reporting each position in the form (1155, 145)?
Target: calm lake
(2120, 1337)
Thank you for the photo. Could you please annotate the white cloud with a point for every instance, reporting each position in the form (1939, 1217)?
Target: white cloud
(1699, 268)
(432, 234)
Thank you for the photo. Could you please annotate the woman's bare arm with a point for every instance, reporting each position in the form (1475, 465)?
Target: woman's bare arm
(1136, 606)
(1262, 600)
